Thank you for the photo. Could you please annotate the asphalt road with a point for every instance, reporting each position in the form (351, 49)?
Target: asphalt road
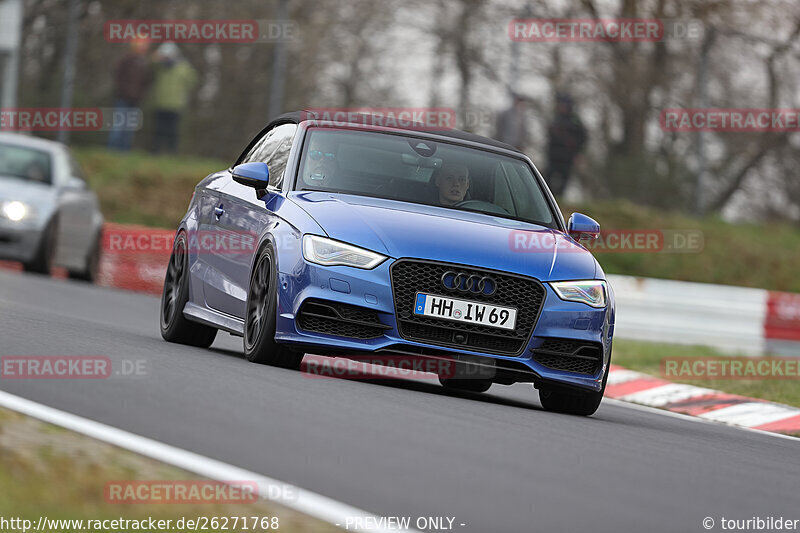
(496, 462)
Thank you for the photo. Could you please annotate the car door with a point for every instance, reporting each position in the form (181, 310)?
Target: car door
(243, 220)
(76, 213)
(201, 243)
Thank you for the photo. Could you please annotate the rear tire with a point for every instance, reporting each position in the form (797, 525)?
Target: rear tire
(174, 326)
(261, 315)
(42, 262)
(572, 402)
(468, 385)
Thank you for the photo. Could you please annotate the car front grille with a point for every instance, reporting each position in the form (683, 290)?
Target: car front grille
(339, 319)
(412, 276)
(569, 355)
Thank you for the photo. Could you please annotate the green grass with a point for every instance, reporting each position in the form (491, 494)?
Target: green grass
(62, 475)
(748, 255)
(646, 357)
(140, 188)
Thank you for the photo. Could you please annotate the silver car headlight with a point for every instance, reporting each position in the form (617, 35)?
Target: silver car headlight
(15, 210)
(327, 252)
(589, 292)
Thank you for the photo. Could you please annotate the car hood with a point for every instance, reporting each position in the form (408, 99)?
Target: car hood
(32, 193)
(401, 229)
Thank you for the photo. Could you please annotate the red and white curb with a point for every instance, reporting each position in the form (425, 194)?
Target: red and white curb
(635, 387)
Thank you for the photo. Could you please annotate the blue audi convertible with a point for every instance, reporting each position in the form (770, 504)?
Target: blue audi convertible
(351, 239)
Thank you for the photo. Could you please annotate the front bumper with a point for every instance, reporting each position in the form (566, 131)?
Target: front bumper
(18, 241)
(547, 356)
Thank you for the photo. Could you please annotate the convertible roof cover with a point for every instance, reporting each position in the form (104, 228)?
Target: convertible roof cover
(303, 115)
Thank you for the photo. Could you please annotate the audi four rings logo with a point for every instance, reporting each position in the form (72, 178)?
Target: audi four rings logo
(458, 281)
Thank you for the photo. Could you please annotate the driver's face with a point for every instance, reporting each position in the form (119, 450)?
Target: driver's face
(35, 172)
(453, 184)
(321, 161)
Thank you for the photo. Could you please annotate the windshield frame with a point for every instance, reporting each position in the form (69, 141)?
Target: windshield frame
(558, 222)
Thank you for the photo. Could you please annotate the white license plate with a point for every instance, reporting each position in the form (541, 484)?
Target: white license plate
(465, 311)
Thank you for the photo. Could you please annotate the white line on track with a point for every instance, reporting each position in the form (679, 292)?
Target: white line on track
(304, 501)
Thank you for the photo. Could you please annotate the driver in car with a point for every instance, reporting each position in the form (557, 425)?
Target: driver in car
(321, 165)
(452, 183)
(35, 171)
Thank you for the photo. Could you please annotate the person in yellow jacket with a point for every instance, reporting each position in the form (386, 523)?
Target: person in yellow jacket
(174, 80)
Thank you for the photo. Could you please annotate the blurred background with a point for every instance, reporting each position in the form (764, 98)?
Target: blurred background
(458, 54)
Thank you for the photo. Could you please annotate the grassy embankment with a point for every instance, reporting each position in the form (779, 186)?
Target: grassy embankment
(47, 471)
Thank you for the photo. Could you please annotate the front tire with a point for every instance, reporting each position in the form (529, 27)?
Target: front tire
(572, 402)
(174, 326)
(42, 262)
(260, 318)
(89, 274)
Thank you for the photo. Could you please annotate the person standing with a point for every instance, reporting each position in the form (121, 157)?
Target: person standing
(132, 77)
(511, 127)
(566, 137)
(174, 80)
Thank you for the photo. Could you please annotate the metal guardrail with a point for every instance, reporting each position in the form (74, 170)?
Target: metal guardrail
(730, 319)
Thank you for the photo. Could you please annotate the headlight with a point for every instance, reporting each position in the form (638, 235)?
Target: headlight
(15, 211)
(328, 252)
(591, 292)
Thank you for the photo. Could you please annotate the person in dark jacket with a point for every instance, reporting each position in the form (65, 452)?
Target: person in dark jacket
(566, 137)
(511, 127)
(132, 77)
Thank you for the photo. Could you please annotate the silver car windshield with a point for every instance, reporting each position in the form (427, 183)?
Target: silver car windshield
(411, 169)
(25, 163)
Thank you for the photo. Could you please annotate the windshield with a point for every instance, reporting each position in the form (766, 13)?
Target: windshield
(25, 163)
(422, 171)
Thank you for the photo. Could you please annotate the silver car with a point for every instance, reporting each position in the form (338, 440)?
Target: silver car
(48, 214)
